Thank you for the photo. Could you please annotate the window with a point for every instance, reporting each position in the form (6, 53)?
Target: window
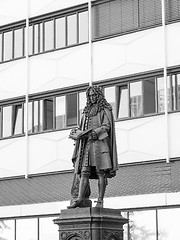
(49, 35)
(168, 229)
(110, 97)
(71, 109)
(60, 112)
(72, 29)
(7, 229)
(149, 96)
(50, 232)
(122, 102)
(30, 48)
(83, 27)
(24, 231)
(82, 103)
(37, 38)
(7, 121)
(17, 126)
(7, 55)
(18, 43)
(48, 114)
(160, 94)
(136, 99)
(60, 32)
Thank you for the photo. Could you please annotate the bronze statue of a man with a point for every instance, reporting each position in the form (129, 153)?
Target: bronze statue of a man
(95, 153)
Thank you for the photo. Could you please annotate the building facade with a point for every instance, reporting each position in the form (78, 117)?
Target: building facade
(50, 52)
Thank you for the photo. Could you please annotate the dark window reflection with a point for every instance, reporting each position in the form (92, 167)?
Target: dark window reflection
(149, 96)
(71, 101)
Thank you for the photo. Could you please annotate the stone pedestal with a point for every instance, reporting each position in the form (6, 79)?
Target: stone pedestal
(90, 224)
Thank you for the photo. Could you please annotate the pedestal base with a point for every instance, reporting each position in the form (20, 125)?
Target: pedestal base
(90, 224)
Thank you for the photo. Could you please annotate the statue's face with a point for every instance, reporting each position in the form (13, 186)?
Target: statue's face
(92, 96)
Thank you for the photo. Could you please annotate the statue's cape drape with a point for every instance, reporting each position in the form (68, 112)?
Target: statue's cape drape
(77, 154)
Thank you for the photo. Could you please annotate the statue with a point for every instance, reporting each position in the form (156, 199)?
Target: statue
(95, 152)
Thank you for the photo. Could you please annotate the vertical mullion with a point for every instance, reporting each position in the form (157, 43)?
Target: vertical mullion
(54, 113)
(2, 46)
(157, 230)
(77, 17)
(15, 229)
(142, 89)
(22, 105)
(129, 101)
(176, 93)
(66, 31)
(156, 96)
(13, 45)
(43, 36)
(65, 110)
(38, 231)
(33, 39)
(32, 116)
(54, 35)
(23, 41)
(12, 118)
(39, 41)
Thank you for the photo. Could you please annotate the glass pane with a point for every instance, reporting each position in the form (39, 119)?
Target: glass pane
(36, 118)
(0, 47)
(72, 29)
(168, 224)
(41, 37)
(36, 38)
(7, 231)
(17, 121)
(7, 114)
(160, 94)
(171, 86)
(60, 33)
(110, 97)
(178, 91)
(149, 96)
(26, 229)
(60, 112)
(71, 101)
(83, 27)
(50, 232)
(82, 103)
(173, 92)
(48, 114)
(142, 225)
(41, 114)
(123, 103)
(49, 35)
(18, 43)
(136, 99)
(29, 117)
(7, 46)
(30, 40)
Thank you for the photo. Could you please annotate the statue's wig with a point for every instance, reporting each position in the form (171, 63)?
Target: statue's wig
(101, 101)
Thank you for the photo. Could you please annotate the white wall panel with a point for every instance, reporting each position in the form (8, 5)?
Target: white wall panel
(12, 11)
(128, 54)
(59, 69)
(45, 6)
(141, 139)
(13, 157)
(174, 134)
(173, 46)
(50, 152)
(13, 79)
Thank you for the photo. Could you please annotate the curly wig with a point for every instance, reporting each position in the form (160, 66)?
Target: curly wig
(101, 101)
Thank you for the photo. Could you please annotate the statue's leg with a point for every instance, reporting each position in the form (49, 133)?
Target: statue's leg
(102, 182)
(84, 184)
